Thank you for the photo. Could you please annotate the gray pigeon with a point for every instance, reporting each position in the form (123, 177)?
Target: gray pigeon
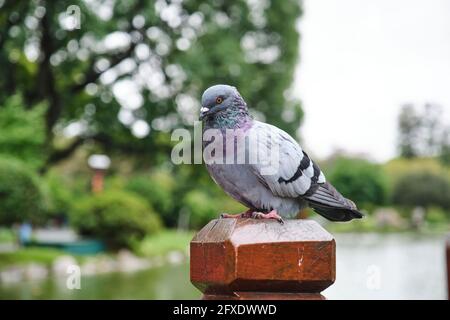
(295, 181)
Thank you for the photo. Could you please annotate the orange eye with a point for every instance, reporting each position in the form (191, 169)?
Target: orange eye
(219, 100)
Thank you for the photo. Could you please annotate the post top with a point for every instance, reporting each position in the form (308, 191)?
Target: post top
(247, 255)
(251, 231)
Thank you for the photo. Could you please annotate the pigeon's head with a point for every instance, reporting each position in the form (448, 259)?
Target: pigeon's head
(219, 98)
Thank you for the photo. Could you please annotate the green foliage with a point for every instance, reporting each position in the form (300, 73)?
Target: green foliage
(22, 131)
(252, 45)
(397, 168)
(60, 195)
(257, 55)
(157, 188)
(359, 180)
(203, 206)
(437, 215)
(21, 197)
(422, 189)
(29, 255)
(163, 242)
(444, 157)
(7, 235)
(119, 218)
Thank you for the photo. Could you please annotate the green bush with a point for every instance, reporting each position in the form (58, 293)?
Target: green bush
(437, 215)
(22, 131)
(423, 189)
(118, 218)
(163, 242)
(7, 235)
(27, 256)
(201, 208)
(204, 206)
(359, 180)
(21, 196)
(157, 188)
(59, 194)
(399, 167)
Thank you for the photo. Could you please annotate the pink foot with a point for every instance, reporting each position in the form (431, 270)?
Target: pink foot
(254, 215)
(271, 215)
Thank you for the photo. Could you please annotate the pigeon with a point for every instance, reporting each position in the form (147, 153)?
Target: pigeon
(274, 189)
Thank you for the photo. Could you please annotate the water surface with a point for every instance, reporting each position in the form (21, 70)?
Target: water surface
(369, 266)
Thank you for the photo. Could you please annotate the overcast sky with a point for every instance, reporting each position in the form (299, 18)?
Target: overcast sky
(362, 59)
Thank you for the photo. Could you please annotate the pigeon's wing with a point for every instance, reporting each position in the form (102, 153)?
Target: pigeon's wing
(281, 164)
(284, 168)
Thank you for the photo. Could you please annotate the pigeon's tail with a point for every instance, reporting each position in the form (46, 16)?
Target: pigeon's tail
(329, 203)
(336, 214)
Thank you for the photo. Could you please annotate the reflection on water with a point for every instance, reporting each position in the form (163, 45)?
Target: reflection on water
(169, 282)
(369, 266)
(389, 266)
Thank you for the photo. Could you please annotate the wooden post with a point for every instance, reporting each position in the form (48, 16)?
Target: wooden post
(447, 253)
(97, 181)
(262, 259)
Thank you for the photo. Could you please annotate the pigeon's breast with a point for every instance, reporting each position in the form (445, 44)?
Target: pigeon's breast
(227, 157)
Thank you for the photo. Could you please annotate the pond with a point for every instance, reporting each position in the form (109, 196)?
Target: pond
(369, 266)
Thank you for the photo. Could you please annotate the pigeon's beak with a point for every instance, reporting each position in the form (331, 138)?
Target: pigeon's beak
(203, 113)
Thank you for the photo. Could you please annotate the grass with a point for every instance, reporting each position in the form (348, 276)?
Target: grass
(7, 235)
(163, 242)
(29, 255)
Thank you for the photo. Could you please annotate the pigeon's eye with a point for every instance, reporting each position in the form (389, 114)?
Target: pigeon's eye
(219, 100)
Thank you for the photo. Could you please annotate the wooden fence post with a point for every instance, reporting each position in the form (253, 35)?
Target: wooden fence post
(447, 254)
(261, 259)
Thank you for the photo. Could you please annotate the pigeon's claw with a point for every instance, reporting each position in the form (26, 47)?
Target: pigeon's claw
(271, 215)
(254, 215)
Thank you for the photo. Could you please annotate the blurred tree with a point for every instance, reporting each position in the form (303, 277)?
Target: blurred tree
(445, 148)
(22, 131)
(21, 196)
(432, 129)
(204, 205)
(201, 207)
(438, 216)
(134, 70)
(61, 195)
(359, 180)
(397, 168)
(158, 189)
(423, 132)
(117, 217)
(423, 189)
(408, 126)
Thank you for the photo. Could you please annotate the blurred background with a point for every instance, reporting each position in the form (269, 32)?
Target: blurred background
(92, 89)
